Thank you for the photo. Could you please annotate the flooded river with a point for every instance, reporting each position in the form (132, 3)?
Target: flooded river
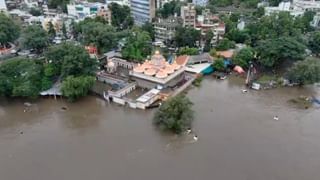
(93, 140)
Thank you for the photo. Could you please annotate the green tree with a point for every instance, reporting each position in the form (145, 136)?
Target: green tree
(35, 11)
(218, 64)
(9, 30)
(238, 36)
(243, 57)
(314, 43)
(103, 36)
(34, 37)
(306, 71)
(220, 3)
(20, 77)
(169, 9)
(69, 60)
(207, 44)
(225, 44)
(61, 4)
(64, 30)
(213, 52)
(175, 115)
(120, 16)
(138, 46)
(188, 51)
(75, 87)
(51, 31)
(187, 37)
(148, 27)
(272, 52)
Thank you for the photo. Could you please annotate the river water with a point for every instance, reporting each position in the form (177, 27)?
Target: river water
(93, 140)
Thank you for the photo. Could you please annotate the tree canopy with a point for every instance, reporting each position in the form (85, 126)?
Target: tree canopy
(9, 30)
(306, 71)
(188, 51)
(138, 46)
(243, 57)
(62, 4)
(218, 64)
(272, 52)
(314, 42)
(68, 59)
(120, 16)
(169, 9)
(75, 87)
(20, 77)
(103, 36)
(225, 44)
(35, 37)
(187, 37)
(175, 114)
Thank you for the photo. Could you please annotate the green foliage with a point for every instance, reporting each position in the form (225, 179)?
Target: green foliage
(9, 30)
(197, 82)
(68, 59)
(243, 57)
(35, 11)
(272, 52)
(213, 52)
(314, 42)
(306, 71)
(20, 77)
(274, 26)
(138, 46)
(34, 37)
(103, 36)
(187, 37)
(175, 115)
(169, 9)
(208, 38)
(64, 30)
(225, 44)
(120, 16)
(238, 36)
(220, 3)
(75, 87)
(51, 31)
(148, 27)
(188, 51)
(218, 65)
(62, 4)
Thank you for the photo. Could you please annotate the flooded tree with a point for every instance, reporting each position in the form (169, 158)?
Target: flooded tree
(175, 115)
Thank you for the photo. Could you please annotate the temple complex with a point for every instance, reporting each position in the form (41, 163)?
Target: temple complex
(157, 72)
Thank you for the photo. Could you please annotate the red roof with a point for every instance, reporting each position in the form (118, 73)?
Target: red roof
(182, 60)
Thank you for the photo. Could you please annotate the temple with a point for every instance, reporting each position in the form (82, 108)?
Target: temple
(157, 72)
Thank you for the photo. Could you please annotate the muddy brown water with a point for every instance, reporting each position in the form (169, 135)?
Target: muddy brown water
(93, 140)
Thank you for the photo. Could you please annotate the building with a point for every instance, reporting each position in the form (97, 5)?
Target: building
(295, 8)
(316, 21)
(156, 72)
(165, 29)
(3, 6)
(143, 11)
(32, 3)
(210, 22)
(188, 15)
(83, 10)
(200, 2)
(105, 13)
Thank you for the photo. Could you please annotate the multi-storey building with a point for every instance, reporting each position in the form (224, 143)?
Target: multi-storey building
(120, 2)
(209, 22)
(188, 15)
(200, 2)
(3, 6)
(143, 10)
(83, 10)
(165, 29)
(295, 8)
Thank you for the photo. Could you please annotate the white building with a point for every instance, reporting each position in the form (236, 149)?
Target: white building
(188, 15)
(200, 2)
(143, 10)
(31, 3)
(316, 21)
(295, 8)
(3, 6)
(83, 10)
